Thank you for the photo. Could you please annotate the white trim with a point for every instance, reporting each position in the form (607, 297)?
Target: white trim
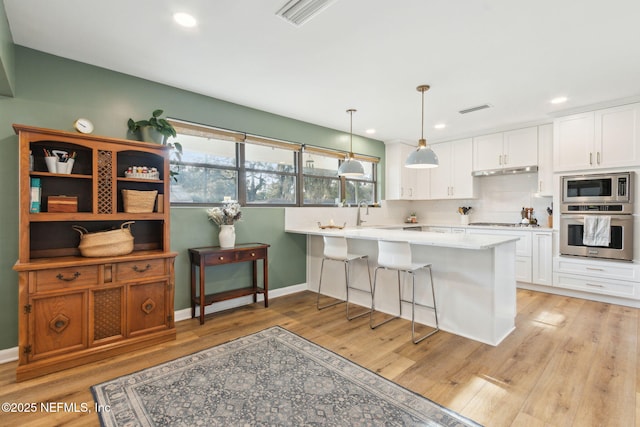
(8, 355)
(185, 314)
(11, 354)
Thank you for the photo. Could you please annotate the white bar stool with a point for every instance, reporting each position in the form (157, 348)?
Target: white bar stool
(397, 256)
(335, 249)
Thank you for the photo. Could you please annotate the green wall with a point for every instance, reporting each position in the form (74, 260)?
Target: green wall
(52, 92)
(6, 55)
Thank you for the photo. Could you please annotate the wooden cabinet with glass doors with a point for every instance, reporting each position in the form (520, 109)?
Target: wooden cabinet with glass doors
(75, 309)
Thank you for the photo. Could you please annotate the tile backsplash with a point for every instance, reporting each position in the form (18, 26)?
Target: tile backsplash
(499, 199)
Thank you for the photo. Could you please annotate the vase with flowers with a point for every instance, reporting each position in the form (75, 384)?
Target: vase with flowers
(226, 217)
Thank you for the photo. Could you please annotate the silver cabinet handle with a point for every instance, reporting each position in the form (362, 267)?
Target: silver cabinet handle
(591, 158)
(595, 269)
(598, 157)
(594, 285)
(505, 159)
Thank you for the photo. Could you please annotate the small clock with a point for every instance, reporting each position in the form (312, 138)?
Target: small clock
(83, 125)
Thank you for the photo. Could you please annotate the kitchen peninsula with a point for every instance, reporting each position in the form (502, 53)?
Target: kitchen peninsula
(474, 277)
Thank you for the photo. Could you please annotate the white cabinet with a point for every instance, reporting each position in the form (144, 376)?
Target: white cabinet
(404, 183)
(545, 160)
(542, 259)
(505, 150)
(452, 179)
(596, 276)
(523, 249)
(605, 138)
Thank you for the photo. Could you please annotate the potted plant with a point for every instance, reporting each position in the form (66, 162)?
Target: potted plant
(157, 130)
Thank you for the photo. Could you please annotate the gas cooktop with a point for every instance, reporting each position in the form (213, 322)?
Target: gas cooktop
(503, 224)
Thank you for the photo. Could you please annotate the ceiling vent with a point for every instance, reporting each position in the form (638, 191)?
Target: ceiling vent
(472, 109)
(297, 12)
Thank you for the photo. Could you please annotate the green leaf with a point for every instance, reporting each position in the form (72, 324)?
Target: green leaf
(156, 113)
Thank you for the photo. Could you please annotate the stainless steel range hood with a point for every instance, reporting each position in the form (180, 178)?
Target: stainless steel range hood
(506, 171)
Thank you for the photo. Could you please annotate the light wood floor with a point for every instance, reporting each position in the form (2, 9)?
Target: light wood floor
(570, 362)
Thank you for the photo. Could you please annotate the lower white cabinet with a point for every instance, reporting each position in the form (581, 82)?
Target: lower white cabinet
(612, 278)
(542, 260)
(523, 249)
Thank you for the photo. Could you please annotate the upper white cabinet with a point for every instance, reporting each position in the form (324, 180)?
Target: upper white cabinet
(503, 150)
(404, 183)
(605, 138)
(452, 179)
(545, 160)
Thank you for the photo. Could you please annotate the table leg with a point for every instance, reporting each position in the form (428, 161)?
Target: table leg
(202, 295)
(193, 290)
(265, 273)
(255, 280)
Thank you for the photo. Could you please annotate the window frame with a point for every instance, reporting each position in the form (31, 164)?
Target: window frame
(241, 139)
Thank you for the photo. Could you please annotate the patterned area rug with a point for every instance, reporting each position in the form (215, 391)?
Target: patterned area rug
(272, 377)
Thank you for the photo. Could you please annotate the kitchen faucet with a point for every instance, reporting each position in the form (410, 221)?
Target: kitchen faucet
(359, 220)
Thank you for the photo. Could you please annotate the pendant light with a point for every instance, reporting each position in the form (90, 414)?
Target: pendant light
(423, 157)
(350, 166)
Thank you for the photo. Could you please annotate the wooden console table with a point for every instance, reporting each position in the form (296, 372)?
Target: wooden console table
(215, 255)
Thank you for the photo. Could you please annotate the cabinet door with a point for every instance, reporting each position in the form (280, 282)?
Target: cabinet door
(617, 137)
(520, 148)
(147, 308)
(107, 319)
(573, 141)
(545, 160)
(441, 176)
(487, 152)
(57, 325)
(542, 259)
(393, 175)
(461, 167)
(401, 182)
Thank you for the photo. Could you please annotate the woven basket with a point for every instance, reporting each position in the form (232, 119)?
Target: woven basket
(106, 243)
(139, 201)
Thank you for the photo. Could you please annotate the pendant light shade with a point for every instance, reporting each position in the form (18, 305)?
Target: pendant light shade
(423, 157)
(350, 166)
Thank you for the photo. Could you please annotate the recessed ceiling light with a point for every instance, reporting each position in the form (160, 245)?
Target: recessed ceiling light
(370, 131)
(559, 100)
(440, 126)
(185, 19)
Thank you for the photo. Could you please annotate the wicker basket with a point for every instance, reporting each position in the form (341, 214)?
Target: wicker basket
(139, 201)
(106, 243)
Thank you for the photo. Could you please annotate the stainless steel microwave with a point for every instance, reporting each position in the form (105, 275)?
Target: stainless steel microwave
(611, 192)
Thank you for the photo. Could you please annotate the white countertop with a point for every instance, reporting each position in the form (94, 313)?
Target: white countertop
(447, 240)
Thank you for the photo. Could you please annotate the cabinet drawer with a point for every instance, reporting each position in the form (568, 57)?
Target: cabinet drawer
(228, 257)
(252, 255)
(595, 285)
(67, 277)
(140, 269)
(597, 268)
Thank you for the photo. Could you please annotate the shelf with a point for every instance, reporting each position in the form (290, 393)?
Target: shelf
(60, 175)
(152, 181)
(88, 216)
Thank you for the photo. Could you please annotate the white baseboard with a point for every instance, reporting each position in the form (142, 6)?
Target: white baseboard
(8, 355)
(11, 354)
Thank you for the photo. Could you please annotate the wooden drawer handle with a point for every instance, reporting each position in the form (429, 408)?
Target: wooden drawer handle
(68, 279)
(141, 270)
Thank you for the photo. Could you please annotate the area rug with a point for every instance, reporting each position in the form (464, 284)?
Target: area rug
(272, 377)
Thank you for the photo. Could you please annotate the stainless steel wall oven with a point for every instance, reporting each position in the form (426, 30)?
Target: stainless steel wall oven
(596, 218)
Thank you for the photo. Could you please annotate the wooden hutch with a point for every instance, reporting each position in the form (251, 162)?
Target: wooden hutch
(75, 309)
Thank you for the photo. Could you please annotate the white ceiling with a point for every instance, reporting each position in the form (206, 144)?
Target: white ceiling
(364, 54)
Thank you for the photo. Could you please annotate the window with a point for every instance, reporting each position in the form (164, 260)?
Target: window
(320, 175)
(208, 171)
(254, 170)
(270, 171)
